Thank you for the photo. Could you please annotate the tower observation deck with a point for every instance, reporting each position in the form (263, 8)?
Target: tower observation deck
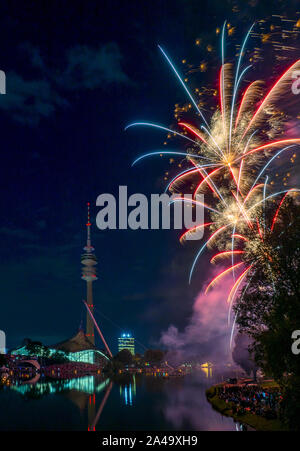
(89, 274)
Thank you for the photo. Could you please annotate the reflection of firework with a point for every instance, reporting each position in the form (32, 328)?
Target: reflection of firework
(230, 156)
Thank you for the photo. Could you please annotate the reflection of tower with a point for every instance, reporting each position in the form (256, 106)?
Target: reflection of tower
(89, 260)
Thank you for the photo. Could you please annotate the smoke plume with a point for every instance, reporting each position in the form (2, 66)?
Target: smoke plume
(207, 336)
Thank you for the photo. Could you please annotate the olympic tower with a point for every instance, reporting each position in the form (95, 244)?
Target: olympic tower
(89, 274)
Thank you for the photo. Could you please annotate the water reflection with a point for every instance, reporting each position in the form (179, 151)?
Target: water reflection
(189, 406)
(87, 384)
(207, 369)
(130, 402)
(93, 419)
(128, 391)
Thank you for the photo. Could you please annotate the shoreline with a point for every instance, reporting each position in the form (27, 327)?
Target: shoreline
(257, 422)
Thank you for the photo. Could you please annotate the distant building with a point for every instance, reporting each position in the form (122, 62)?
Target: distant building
(126, 341)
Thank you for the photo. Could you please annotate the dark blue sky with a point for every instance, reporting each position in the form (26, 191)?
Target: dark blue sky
(77, 73)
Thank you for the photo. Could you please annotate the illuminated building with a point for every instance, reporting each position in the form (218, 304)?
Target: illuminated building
(126, 341)
(80, 349)
(89, 261)
(75, 349)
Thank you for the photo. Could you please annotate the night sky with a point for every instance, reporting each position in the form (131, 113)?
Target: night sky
(77, 73)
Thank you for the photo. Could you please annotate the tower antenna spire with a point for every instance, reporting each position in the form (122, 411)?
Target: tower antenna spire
(88, 226)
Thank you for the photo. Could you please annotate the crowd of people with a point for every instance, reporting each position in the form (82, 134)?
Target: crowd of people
(252, 399)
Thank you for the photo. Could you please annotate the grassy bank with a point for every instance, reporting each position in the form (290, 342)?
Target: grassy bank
(257, 422)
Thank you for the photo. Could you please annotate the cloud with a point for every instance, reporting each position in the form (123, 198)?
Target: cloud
(34, 55)
(21, 234)
(206, 337)
(30, 100)
(85, 68)
(92, 68)
(32, 242)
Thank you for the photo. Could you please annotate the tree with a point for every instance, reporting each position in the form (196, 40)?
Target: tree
(138, 360)
(117, 363)
(59, 357)
(268, 309)
(154, 356)
(36, 348)
(3, 360)
(124, 356)
(243, 356)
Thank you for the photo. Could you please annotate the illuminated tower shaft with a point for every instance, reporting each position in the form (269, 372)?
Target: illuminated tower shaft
(89, 323)
(89, 274)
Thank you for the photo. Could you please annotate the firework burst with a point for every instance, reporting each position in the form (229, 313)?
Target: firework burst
(229, 155)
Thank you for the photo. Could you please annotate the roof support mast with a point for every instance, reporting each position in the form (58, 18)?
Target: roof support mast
(98, 329)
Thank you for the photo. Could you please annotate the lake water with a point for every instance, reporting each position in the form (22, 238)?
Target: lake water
(129, 403)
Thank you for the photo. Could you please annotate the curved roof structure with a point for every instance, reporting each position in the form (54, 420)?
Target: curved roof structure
(77, 344)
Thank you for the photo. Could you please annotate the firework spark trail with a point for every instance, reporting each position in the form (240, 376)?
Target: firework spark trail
(232, 249)
(264, 197)
(232, 330)
(236, 286)
(194, 131)
(236, 315)
(193, 230)
(243, 104)
(150, 124)
(291, 190)
(193, 201)
(266, 146)
(221, 153)
(222, 274)
(183, 84)
(236, 83)
(222, 95)
(249, 140)
(278, 209)
(210, 183)
(275, 90)
(251, 191)
(233, 102)
(166, 152)
(267, 164)
(217, 232)
(225, 254)
(206, 180)
(237, 235)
